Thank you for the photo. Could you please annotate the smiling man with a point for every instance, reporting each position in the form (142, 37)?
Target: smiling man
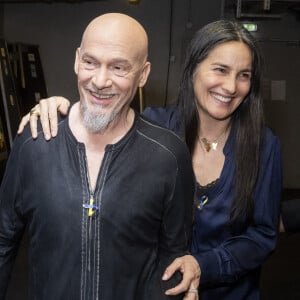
(108, 203)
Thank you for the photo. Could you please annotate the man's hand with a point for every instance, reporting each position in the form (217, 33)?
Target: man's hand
(191, 272)
(47, 110)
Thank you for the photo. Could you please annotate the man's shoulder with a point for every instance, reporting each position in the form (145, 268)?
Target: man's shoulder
(160, 135)
(24, 138)
(26, 141)
(166, 146)
(155, 128)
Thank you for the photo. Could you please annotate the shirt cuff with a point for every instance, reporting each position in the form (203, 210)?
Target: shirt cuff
(209, 265)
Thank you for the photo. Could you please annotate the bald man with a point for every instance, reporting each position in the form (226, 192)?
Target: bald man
(108, 202)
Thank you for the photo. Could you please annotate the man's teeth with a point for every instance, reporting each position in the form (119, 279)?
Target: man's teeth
(103, 96)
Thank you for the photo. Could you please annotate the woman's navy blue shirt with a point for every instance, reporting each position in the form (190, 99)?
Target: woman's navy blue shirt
(230, 263)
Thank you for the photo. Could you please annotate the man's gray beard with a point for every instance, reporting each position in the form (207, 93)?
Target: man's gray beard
(96, 122)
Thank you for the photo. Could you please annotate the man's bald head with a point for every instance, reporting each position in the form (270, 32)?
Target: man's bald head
(119, 29)
(110, 64)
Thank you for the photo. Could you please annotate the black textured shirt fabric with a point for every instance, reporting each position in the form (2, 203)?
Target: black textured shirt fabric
(141, 220)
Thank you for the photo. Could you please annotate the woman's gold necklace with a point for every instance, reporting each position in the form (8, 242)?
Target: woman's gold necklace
(208, 145)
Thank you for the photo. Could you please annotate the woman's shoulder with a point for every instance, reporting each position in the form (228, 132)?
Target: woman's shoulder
(270, 137)
(271, 145)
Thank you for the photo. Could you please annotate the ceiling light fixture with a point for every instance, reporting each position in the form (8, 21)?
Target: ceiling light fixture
(134, 1)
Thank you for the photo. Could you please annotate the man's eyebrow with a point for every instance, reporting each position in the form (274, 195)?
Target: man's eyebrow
(117, 60)
(86, 55)
(121, 60)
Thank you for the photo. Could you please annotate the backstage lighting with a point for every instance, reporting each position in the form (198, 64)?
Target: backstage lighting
(250, 26)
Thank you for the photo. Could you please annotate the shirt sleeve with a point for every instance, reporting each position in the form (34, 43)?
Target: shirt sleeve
(240, 254)
(290, 212)
(11, 224)
(177, 219)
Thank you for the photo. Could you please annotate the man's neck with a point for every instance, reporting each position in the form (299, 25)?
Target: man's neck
(95, 143)
(111, 135)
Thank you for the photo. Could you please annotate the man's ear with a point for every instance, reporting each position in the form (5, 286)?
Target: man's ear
(144, 74)
(76, 63)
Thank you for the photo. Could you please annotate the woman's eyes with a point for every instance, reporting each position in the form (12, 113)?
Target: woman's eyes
(243, 75)
(220, 70)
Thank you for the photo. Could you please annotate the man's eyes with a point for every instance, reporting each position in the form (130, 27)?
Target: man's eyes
(89, 63)
(120, 69)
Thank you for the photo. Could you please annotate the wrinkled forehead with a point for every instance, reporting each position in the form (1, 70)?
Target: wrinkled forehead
(107, 50)
(118, 36)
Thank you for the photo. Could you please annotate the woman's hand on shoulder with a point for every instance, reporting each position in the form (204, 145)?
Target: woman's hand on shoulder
(47, 111)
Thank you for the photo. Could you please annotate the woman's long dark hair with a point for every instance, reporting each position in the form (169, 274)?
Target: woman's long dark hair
(247, 120)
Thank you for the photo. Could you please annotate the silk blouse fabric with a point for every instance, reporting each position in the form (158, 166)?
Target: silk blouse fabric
(230, 262)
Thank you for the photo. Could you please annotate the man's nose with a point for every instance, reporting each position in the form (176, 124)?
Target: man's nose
(102, 78)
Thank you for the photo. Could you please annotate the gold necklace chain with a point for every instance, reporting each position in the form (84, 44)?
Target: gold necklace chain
(208, 145)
